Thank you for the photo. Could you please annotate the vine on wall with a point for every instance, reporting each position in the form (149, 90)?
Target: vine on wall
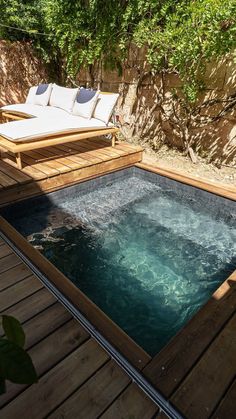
(180, 37)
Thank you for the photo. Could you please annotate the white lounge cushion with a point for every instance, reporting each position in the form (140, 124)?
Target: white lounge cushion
(39, 95)
(39, 128)
(31, 95)
(105, 106)
(63, 97)
(85, 102)
(26, 109)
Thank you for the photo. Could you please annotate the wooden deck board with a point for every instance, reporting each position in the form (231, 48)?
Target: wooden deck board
(32, 158)
(226, 408)
(217, 366)
(65, 160)
(13, 275)
(30, 306)
(17, 175)
(45, 323)
(75, 373)
(8, 262)
(58, 384)
(32, 171)
(5, 251)
(19, 291)
(85, 154)
(132, 401)
(171, 365)
(51, 168)
(6, 181)
(102, 387)
(48, 352)
(74, 157)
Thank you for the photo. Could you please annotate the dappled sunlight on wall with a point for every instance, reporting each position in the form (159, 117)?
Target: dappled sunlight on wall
(146, 105)
(19, 69)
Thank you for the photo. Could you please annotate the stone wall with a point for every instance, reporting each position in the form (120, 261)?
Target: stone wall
(19, 69)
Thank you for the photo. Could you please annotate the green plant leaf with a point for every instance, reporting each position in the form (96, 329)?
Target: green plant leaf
(16, 364)
(13, 330)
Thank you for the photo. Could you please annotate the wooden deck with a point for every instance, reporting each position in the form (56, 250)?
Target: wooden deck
(196, 371)
(48, 169)
(77, 378)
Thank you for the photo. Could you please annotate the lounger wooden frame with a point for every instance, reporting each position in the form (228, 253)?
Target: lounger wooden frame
(67, 137)
(19, 147)
(14, 115)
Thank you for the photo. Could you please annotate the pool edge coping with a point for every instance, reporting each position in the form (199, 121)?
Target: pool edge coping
(213, 188)
(219, 293)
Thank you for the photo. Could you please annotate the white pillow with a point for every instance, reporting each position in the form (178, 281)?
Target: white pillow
(105, 105)
(39, 95)
(63, 97)
(85, 102)
(42, 94)
(31, 95)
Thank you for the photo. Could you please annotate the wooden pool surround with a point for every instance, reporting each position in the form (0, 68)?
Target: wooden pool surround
(75, 374)
(189, 371)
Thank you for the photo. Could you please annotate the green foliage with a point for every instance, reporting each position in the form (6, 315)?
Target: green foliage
(28, 19)
(24, 15)
(13, 330)
(180, 35)
(15, 363)
(185, 37)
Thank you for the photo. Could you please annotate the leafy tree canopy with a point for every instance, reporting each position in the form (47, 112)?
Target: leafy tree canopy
(180, 35)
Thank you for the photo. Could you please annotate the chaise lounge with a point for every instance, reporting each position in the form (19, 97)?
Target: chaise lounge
(54, 115)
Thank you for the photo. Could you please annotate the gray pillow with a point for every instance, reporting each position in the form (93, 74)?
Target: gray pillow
(85, 102)
(42, 88)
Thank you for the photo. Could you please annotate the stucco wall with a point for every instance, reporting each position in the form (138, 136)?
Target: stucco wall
(140, 95)
(141, 115)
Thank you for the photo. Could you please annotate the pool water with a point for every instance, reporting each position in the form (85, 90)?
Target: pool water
(148, 255)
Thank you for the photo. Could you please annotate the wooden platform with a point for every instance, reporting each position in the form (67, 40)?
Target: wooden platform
(48, 169)
(77, 378)
(196, 371)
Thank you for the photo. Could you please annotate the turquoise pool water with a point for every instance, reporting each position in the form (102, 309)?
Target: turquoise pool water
(148, 256)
